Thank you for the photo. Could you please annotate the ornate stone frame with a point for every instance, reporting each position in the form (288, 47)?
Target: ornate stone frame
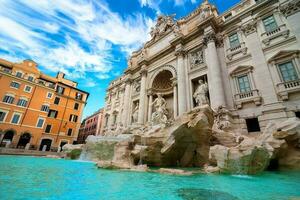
(283, 89)
(240, 98)
(241, 49)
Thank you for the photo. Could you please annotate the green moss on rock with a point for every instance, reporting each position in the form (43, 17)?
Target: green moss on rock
(74, 154)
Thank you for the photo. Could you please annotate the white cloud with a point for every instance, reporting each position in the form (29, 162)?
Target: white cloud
(85, 32)
(102, 76)
(155, 4)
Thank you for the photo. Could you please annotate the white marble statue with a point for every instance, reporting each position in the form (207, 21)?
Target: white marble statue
(135, 113)
(160, 114)
(200, 94)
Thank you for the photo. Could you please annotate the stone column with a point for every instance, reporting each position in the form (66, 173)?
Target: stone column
(150, 106)
(175, 101)
(181, 77)
(143, 95)
(216, 90)
(125, 117)
(111, 117)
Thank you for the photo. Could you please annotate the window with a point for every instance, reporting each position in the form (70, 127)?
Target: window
(252, 125)
(45, 108)
(270, 23)
(76, 106)
(56, 100)
(6, 70)
(78, 96)
(48, 128)
(49, 95)
(2, 115)
(51, 85)
(27, 88)
(16, 118)
(52, 113)
(234, 40)
(15, 85)
(288, 71)
(30, 78)
(8, 99)
(70, 132)
(297, 114)
(60, 90)
(41, 82)
(228, 16)
(40, 122)
(73, 118)
(19, 74)
(22, 102)
(244, 84)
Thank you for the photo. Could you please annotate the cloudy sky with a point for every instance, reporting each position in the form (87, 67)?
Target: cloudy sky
(89, 40)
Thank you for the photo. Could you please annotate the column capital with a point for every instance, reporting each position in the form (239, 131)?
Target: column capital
(144, 70)
(209, 37)
(128, 80)
(179, 50)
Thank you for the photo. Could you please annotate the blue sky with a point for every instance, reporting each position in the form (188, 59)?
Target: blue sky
(89, 40)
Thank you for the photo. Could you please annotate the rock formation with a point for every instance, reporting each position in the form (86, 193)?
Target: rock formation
(184, 143)
(199, 139)
(278, 145)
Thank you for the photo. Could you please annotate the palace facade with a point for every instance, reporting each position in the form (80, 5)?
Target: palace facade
(38, 111)
(245, 60)
(91, 125)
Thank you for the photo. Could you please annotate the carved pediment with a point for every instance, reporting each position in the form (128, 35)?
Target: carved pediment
(241, 69)
(284, 54)
(163, 25)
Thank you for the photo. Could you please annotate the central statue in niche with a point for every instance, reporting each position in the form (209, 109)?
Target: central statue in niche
(160, 114)
(200, 94)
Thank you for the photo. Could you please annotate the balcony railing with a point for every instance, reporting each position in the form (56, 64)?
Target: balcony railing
(284, 88)
(280, 31)
(251, 96)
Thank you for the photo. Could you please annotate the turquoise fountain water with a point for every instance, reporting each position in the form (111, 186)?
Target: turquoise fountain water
(34, 178)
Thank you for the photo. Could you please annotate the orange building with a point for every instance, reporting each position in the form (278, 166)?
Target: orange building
(38, 109)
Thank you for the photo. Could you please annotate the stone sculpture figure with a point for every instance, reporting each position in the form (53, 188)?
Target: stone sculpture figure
(197, 58)
(162, 25)
(200, 94)
(160, 114)
(222, 119)
(135, 113)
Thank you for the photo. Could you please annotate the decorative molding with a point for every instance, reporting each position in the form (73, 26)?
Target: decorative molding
(241, 68)
(209, 37)
(219, 41)
(179, 50)
(249, 28)
(205, 10)
(163, 25)
(290, 8)
(196, 58)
